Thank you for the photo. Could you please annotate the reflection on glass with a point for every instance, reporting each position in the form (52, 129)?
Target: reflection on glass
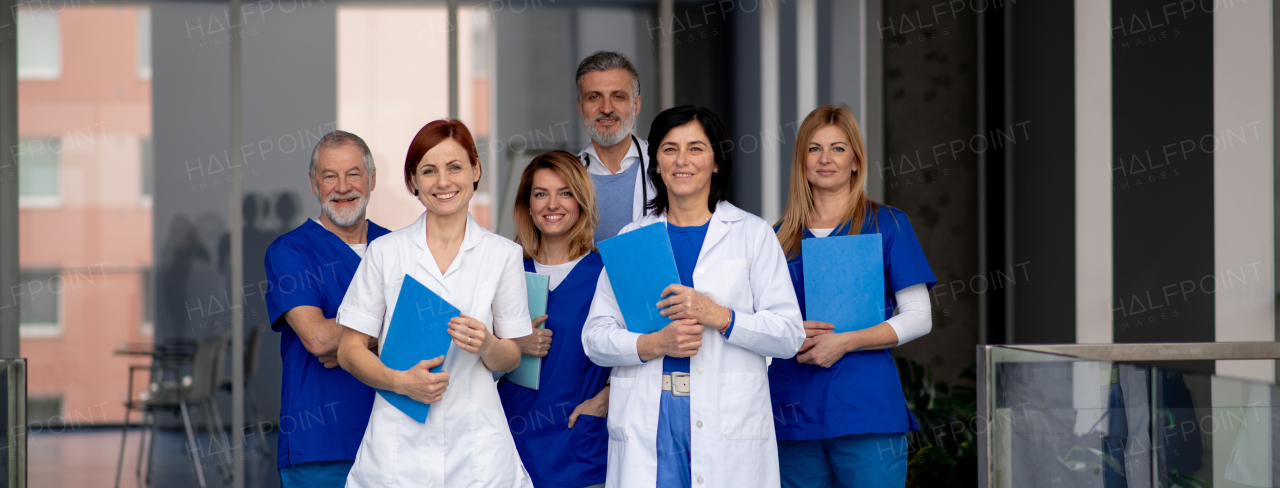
(84, 159)
(1065, 422)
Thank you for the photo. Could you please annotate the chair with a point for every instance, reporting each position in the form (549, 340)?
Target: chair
(251, 367)
(178, 396)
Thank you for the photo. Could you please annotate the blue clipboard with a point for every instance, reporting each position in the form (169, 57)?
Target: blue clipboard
(419, 330)
(530, 369)
(640, 265)
(844, 280)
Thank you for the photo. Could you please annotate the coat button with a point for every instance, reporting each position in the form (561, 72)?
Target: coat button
(702, 270)
(699, 370)
(699, 424)
(699, 480)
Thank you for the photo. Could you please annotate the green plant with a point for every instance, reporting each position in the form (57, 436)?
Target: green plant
(944, 452)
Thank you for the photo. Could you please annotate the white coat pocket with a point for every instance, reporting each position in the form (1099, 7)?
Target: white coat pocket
(619, 394)
(377, 461)
(745, 412)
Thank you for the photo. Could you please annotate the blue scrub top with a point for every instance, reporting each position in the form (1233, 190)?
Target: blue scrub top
(861, 393)
(554, 455)
(686, 244)
(323, 412)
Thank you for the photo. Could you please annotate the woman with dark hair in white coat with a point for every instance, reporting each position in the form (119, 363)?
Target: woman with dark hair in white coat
(689, 404)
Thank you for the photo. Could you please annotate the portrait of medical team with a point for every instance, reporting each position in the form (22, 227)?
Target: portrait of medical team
(608, 103)
(302, 303)
(690, 403)
(839, 411)
(465, 440)
(559, 428)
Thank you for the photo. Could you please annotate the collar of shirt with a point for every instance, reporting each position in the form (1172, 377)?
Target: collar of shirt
(418, 234)
(595, 166)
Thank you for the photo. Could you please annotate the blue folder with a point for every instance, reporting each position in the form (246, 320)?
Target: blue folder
(419, 331)
(844, 281)
(530, 369)
(640, 265)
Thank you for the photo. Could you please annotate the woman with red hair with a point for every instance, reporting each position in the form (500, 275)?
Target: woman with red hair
(465, 440)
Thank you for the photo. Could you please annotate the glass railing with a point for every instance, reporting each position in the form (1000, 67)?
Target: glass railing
(1102, 416)
(13, 380)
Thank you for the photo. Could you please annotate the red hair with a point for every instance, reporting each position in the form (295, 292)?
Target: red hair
(430, 136)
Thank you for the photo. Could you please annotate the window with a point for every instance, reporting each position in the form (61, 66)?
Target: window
(148, 152)
(148, 302)
(38, 163)
(44, 409)
(41, 303)
(39, 45)
(144, 43)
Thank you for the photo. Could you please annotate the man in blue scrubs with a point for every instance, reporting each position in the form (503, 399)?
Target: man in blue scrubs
(323, 409)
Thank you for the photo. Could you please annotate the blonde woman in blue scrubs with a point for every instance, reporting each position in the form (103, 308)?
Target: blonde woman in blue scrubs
(839, 412)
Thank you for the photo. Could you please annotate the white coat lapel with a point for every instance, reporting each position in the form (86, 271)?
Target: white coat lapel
(719, 228)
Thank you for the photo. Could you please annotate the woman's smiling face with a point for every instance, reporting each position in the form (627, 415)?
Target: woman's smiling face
(686, 160)
(445, 178)
(552, 204)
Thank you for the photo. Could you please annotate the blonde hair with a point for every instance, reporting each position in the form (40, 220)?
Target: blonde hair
(572, 171)
(795, 217)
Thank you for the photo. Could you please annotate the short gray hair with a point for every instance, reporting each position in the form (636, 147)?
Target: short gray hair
(604, 61)
(339, 138)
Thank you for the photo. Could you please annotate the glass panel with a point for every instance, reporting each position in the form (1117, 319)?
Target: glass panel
(385, 100)
(84, 224)
(1060, 421)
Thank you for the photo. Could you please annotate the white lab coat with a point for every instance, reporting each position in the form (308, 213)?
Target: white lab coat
(637, 154)
(740, 266)
(465, 440)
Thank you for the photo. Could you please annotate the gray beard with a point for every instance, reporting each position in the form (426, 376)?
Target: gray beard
(344, 220)
(609, 140)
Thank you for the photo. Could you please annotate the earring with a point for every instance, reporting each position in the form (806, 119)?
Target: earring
(415, 192)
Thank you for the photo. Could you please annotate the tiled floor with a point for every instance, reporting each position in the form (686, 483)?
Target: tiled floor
(87, 458)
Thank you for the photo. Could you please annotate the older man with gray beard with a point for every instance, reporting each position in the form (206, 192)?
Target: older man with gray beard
(608, 103)
(323, 411)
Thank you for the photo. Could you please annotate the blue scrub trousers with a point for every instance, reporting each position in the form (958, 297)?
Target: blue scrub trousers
(861, 460)
(319, 474)
(673, 442)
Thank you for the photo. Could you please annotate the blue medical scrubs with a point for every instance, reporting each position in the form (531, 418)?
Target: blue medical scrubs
(554, 455)
(674, 435)
(830, 420)
(323, 412)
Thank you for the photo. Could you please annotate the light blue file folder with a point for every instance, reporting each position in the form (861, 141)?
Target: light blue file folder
(530, 368)
(844, 281)
(640, 264)
(419, 331)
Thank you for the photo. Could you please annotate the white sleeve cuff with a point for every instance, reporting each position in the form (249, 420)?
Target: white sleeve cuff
(914, 318)
(512, 327)
(360, 321)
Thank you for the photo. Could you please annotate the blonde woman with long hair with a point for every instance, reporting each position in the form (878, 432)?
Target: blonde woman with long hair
(839, 412)
(559, 428)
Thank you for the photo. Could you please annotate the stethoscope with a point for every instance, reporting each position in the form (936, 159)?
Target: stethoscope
(644, 184)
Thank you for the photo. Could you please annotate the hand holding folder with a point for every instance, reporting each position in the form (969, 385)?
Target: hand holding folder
(640, 265)
(844, 281)
(530, 369)
(418, 331)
